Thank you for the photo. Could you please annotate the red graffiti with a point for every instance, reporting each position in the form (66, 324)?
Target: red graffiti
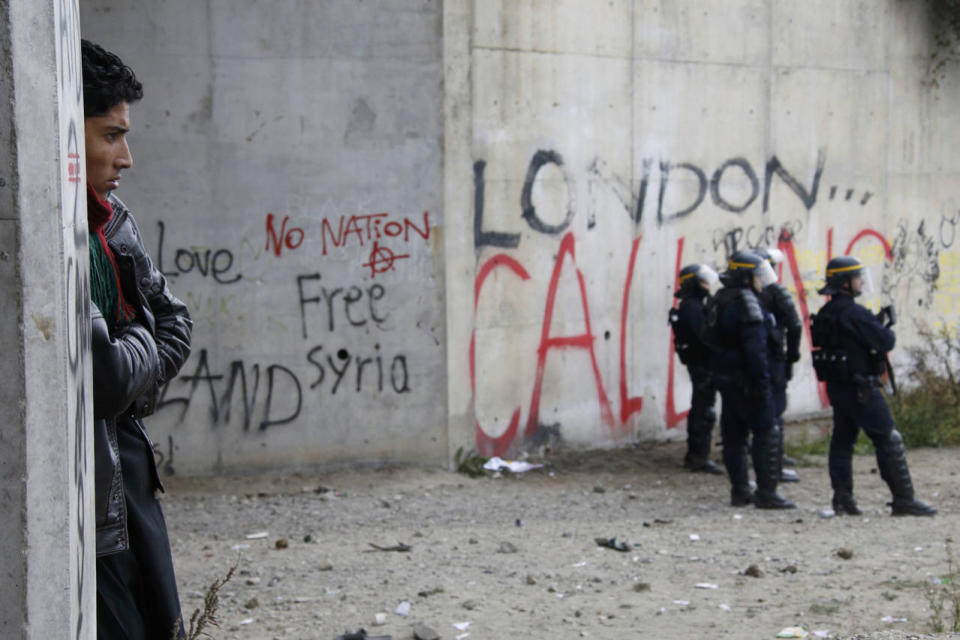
(785, 245)
(73, 168)
(632, 404)
(486, 445)
(382, 259)
(290, 239)
(629, 405)
(581, 341)
(370, 227)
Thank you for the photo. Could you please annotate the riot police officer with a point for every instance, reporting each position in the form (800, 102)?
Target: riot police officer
(783, 347)
(687, 321)
(737, 326)
(851, 346)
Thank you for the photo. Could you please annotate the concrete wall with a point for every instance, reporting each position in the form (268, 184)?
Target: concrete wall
(614, 142)
(542, 168)
(46, 452)
(287, 179)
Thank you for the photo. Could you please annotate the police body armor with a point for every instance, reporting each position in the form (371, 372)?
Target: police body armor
(686, 342)
(778, 302)
(829, 357)
(836, 359)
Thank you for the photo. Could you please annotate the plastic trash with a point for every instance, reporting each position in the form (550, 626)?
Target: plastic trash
(792, 632)
(403, 609)
(705, 585)
(892, 619)
(258, 535)
(514, 466)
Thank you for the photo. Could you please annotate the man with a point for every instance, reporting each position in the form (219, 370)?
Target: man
(737, 326)
(783, 344)
(140, 339)
(687, 321)
(851, 346)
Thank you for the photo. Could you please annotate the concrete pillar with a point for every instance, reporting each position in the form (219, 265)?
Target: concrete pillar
(47, 543)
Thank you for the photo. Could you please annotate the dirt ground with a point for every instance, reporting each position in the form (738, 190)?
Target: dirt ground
(516, 556)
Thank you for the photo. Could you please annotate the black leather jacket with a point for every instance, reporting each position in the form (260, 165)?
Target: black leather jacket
(129, 367)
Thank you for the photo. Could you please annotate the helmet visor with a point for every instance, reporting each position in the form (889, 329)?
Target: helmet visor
(709, 277)
(776, 256)
(764, 274)
(865, 283)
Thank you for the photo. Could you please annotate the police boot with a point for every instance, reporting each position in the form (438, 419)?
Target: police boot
(844, 504)
(701, 465)
(766, 464)
(894, 469)
(736, 463)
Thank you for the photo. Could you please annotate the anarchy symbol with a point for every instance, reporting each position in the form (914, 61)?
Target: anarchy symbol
(382, 259)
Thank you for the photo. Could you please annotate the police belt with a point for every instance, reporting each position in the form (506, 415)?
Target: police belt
(867, 381)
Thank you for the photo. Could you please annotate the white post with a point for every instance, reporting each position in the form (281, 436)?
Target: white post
(47, 541)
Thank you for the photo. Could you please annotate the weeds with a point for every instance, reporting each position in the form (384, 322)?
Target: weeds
(927, 411)
(820, 446)
(470, 464)
(943, 594)
(926, 407)
(206, 617)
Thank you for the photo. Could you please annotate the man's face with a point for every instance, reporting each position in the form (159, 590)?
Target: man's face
(757, 283)
(856, 283)
(107, 150)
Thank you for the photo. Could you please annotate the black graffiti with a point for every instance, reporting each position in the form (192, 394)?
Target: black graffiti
(665, 169)
(279, 399)
(276, 374)
(915, 256)
(350, 306)
(668, 172)
(849, 193)
(718, 176)
(207, 262)
(487, 238)
(341, 365)
(733, 238)
(948, 229)
(599, 173)
(540, 159)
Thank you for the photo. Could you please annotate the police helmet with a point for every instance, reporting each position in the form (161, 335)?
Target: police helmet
(743, 265)
(840, 271)
(696, 277)
(771, 255)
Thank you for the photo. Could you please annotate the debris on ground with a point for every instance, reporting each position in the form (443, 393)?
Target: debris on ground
(613, 543)
(400, 546)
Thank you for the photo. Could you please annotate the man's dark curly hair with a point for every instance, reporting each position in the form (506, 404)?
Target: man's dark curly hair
(106, 81)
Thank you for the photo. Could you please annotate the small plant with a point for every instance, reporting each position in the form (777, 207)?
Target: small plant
(206, 617)
(943, 594)
(927, 410)
(470, 464)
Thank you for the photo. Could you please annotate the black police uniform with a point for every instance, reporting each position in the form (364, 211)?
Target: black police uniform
(687, 321)
(851, 346)
(737, 331)
(783, 344)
